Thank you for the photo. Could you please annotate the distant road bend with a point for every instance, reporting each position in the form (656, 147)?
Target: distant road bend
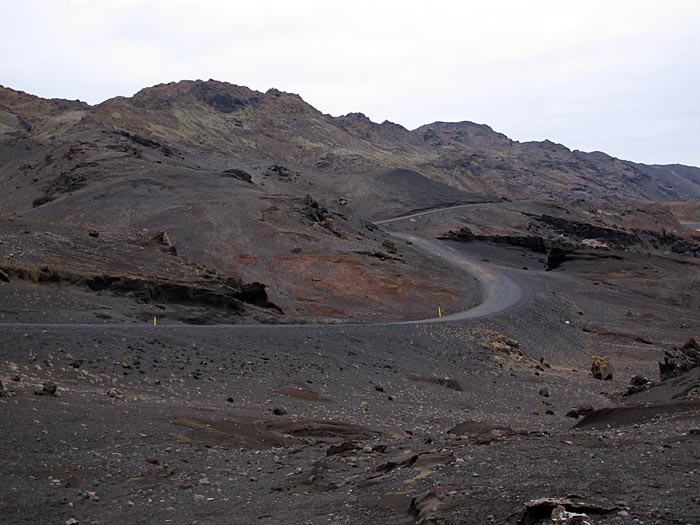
(499, 291)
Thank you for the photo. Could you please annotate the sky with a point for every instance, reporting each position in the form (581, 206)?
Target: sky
(620, 76)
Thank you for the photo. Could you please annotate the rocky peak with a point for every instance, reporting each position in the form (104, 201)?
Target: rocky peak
(449, 134)
(25, 105)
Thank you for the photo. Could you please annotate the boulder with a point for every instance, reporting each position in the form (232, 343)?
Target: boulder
(561, 516)
(680, 360)
(601, 368)
(390, 246)
(638, 384)
(163, 242)
(236, 173)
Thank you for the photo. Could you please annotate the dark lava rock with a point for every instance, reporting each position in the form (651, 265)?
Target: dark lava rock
(447, 382)
(390, 246)
(680, 360)
(345, 446)
(541, 510)
(379, 388)
(555, 257)
(238, 174)
(279, 411)
(94, 233)
(162, 240)
(423, 506)
(49, 388)
(278, 170)
(313, 210)
(638, 384)
(544, 392)
(549, 412)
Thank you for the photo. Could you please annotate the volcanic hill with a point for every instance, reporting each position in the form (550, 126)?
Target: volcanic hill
(251, 187)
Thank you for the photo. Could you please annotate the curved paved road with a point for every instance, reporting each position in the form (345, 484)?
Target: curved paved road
(499, 292)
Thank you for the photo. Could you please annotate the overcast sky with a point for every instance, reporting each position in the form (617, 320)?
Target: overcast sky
(621, 76)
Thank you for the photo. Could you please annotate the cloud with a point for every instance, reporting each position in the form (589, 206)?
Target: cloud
(615, 76)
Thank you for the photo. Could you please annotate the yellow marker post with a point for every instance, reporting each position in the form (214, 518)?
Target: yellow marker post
(439, 311)
(155, 321)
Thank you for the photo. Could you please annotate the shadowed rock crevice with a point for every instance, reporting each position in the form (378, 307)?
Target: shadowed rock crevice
(230, 294)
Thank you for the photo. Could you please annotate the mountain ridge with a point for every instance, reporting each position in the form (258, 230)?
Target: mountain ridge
(218, 118)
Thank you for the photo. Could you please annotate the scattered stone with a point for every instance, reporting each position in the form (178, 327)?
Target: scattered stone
(638, 384)
(49, 388)
(116, 394)
(230, 400)
(560, 516)
(500, 343)
(424, 506)
(279, 411)
(390, 246)
(163, 242)
(447, 382)
(72, 521)
(549, 412)
(152, 460)
(573, 413)
(4, 392)
(345, 446)
(544, 392)
(601, 368)
(94, 233)
(364, 406)
(379, 388)
(239, 174)
(570, 509)
(680, 360)
(4, 276)
(280, 171)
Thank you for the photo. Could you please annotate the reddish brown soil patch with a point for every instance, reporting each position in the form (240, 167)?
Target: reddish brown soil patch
(302, 391)
(258, 433)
